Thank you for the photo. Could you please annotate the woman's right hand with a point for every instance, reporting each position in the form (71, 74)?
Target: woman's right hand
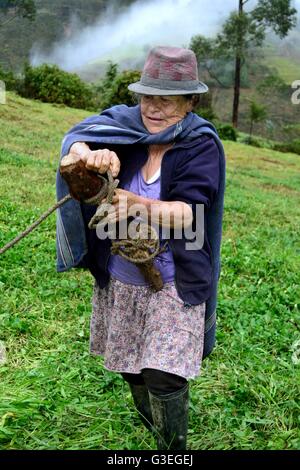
(96, 160)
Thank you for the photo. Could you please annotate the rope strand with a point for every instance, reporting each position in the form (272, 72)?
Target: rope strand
(35, 224)
(140, 250)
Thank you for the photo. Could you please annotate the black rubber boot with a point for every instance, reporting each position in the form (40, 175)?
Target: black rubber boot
(140, 397)
(170, 418)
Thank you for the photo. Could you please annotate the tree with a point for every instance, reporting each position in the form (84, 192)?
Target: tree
(208, 57)
(113, 88)
(215, 60)
(244, 29)
(15, 8)
(257, 113)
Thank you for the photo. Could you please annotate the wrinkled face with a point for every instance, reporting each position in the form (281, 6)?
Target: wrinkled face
(160, 112)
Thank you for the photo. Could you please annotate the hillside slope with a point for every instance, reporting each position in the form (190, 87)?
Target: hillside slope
(54, 395)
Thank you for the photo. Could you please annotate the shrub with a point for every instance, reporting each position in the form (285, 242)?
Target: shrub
(285, 147)
(272, 85)
(257, 113)
(205, 107)
(113, 89)
(8, 78)
(51, 84)
(254, 141)
(292, 147)
(120, 92)
(226, 131)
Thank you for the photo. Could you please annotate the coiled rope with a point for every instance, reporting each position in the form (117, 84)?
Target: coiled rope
(139, 250)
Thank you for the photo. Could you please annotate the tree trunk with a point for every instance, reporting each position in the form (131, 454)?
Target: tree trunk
(237, 77)
(237, 87)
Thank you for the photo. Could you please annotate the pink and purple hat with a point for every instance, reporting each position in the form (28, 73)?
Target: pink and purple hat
(169, 71)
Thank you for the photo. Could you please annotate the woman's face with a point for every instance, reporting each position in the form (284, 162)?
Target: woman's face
(160, 112)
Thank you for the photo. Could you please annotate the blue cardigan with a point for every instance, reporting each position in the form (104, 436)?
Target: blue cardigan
(193, 171)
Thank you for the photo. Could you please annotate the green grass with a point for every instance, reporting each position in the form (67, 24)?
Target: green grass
(54, 395)
(288, 69)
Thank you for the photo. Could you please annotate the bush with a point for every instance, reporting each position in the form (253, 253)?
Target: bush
(205, 107)
(51, 84)
(11, 82)
(273, 85)
(285, 147)
(290, 147)
(255, 142)
(113, 89)
(226, 131)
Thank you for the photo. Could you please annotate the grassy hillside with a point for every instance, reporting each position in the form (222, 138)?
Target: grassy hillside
(56, 22)
(54, 395)
(283, 55)
(287, 69)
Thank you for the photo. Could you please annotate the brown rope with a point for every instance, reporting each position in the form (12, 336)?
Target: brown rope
(138, 250)
(35, 224)
(107, 191)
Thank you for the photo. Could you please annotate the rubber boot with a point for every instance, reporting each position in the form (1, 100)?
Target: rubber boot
(170, 418)
(140, 397)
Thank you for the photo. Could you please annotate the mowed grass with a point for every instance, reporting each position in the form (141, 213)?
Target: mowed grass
(54, 395)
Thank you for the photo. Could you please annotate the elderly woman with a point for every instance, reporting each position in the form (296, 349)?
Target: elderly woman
(171, 162)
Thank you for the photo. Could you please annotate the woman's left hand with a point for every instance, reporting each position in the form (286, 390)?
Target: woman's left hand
(121, 203)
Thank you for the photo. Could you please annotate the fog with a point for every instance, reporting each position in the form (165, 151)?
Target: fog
(115, 35)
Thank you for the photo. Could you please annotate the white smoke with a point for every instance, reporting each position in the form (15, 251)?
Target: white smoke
(144, 24)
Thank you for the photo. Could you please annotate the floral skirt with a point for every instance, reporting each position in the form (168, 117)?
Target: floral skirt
(134, 328)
